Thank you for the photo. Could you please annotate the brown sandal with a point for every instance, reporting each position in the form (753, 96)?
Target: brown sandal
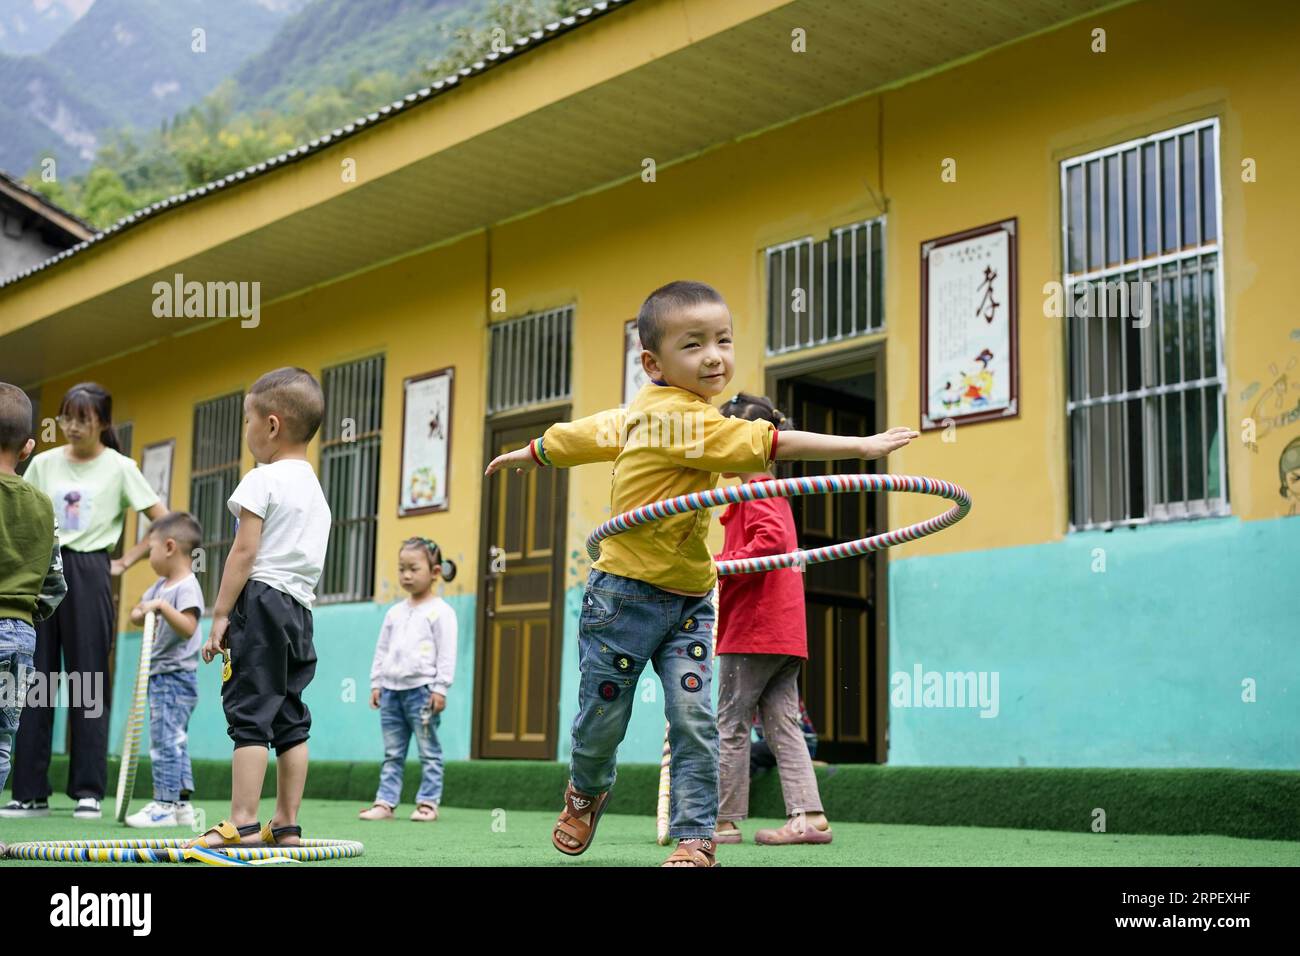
(576, 805)
(694, 852)
(230, 834)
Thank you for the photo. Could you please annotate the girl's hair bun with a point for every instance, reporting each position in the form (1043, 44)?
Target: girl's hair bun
(756, 408)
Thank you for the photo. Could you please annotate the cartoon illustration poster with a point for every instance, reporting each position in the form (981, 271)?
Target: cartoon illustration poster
(426, 443)
(968, 326)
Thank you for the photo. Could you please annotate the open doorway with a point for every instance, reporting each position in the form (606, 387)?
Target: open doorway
(844, 682)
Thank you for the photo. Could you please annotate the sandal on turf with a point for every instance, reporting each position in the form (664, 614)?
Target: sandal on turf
(728, 835)
(230, 834)
(577, 804)
(271, 834)
(694, 852)
(425, 813)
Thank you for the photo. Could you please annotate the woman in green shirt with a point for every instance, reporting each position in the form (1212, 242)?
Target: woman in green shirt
(92, 484)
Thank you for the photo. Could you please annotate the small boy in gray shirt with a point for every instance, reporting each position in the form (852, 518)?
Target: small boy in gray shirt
(177, 602)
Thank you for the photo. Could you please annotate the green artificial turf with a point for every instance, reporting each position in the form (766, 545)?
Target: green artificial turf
(1252, 804)
(496, 837)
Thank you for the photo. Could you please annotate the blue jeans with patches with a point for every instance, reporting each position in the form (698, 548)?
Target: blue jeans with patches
(17, 645)
(624, 625)
(172, 698)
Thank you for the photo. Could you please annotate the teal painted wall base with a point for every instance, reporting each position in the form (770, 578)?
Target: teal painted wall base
(1147, 663)
(343, 725)
(1142, 664)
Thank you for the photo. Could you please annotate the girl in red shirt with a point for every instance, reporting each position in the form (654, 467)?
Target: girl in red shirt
(762, 641)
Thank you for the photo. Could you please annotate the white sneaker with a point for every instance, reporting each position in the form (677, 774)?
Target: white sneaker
(185, 814)
(154, 814)
(87, 809)
(16, 809)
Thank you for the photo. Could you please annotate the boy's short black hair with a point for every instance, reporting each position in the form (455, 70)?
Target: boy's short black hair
(667, 299)
(15, 418)
(181, 526)
(294, 395)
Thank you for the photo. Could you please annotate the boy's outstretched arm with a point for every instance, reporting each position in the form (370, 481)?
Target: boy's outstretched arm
(813, 446)
(595, 438)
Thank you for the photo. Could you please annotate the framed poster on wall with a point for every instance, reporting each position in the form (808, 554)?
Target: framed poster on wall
(634, 375)
(156, 466)
(969, 365)
(426, 443)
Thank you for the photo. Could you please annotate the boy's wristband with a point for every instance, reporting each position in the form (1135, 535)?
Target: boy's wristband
(538, 452)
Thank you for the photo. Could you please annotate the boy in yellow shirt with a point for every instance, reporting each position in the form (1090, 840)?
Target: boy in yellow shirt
(648, 596)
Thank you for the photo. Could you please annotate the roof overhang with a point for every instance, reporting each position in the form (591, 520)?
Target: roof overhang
(59, 221)
(661, 78)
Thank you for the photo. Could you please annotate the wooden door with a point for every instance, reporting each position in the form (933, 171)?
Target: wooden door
(840, 677)
(517, 671)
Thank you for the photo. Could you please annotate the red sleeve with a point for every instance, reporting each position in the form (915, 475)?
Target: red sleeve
(765, 530)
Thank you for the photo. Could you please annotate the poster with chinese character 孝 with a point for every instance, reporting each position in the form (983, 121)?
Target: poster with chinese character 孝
(426, 443)
(969, 365)
(634, 375)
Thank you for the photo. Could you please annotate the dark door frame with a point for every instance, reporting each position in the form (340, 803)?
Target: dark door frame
(872, 353)
(501, 422)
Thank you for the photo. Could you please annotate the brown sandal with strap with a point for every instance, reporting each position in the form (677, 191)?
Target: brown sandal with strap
(271, 834)
(694, 852)
(230, 834)
(578, 804)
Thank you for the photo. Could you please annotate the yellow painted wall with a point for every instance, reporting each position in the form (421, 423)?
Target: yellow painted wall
(1007, 118)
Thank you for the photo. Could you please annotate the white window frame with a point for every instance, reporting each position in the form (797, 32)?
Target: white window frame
(1153, 511)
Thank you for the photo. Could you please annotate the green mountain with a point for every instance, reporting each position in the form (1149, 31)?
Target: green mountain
(44, 110)
(330, 42)
(143, 60)
(125, 63)
(330, 61)
(30, 26)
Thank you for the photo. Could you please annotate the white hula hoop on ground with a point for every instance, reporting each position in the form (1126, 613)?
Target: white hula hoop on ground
(135, 721)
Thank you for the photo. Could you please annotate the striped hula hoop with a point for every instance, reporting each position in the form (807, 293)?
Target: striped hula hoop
(665, 792)
(176, 851)
(135, 721)
(794, 487)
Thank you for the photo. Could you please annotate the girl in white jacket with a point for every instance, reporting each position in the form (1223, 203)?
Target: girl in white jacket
(415, 663)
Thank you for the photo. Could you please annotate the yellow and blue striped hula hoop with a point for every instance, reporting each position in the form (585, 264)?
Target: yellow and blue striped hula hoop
(176, 851)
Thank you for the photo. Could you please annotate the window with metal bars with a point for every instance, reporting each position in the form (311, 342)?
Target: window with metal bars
(214, 474)
(349, 475)
(530, 359)
(828, 289)
(1142, 254)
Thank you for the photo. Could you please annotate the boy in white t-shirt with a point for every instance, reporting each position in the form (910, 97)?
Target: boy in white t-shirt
(263, 610)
